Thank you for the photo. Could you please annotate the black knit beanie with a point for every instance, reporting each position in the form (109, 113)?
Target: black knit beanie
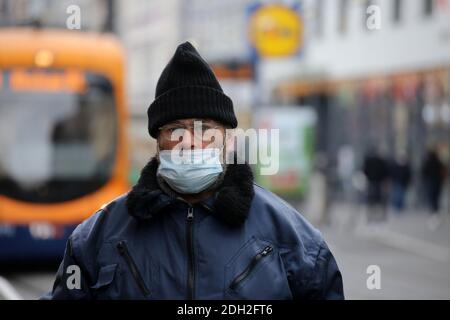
(188, 88)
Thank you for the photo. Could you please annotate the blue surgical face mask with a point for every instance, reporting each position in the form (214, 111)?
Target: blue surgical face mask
(190, 171)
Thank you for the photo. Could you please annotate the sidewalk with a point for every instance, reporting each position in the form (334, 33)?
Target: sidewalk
(410, 223)
(414, 260)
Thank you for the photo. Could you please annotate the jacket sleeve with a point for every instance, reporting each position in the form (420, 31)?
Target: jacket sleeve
(327, 279)
(77, 270)
(71, 279)
(313, 274)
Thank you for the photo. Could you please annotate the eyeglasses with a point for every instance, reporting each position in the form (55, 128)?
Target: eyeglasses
(176, 131)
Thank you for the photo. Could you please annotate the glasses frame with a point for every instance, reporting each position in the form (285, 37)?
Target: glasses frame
(173, 127)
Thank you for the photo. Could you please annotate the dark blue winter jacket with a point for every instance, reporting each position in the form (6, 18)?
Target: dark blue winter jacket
(242, 243)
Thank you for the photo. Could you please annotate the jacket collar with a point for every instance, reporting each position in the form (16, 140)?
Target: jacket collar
(230, 203)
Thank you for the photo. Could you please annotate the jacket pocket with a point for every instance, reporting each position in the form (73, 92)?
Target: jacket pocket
(105, 278)
(247, 272)
(125, 253)
(256, 272)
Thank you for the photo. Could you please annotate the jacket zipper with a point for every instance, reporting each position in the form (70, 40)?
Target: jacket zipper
(244, 274)
(123, 250)
(190, 248)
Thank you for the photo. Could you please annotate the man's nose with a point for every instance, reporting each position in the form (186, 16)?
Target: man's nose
(188, 140)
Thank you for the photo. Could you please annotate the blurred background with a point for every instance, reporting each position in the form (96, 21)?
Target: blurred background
(360, 91)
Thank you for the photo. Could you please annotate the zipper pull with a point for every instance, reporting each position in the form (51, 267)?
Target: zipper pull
(266, 251)
(190, 215)
(121, 247)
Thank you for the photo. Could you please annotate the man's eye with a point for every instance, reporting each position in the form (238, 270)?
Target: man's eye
(173, 129)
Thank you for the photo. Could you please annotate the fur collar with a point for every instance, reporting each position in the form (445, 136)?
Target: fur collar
(231, 200)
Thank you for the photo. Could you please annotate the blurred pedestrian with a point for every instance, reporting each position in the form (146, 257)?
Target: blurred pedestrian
(318, 197)
(346, 171)
(376, 171)
(400, 175)
(433, 173)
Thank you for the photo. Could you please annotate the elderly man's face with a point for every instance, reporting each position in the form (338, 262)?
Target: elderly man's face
(191, 134)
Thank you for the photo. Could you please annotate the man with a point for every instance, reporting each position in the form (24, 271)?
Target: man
(196, 229)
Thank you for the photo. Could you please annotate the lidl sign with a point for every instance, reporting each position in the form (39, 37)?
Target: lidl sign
(276, 30)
